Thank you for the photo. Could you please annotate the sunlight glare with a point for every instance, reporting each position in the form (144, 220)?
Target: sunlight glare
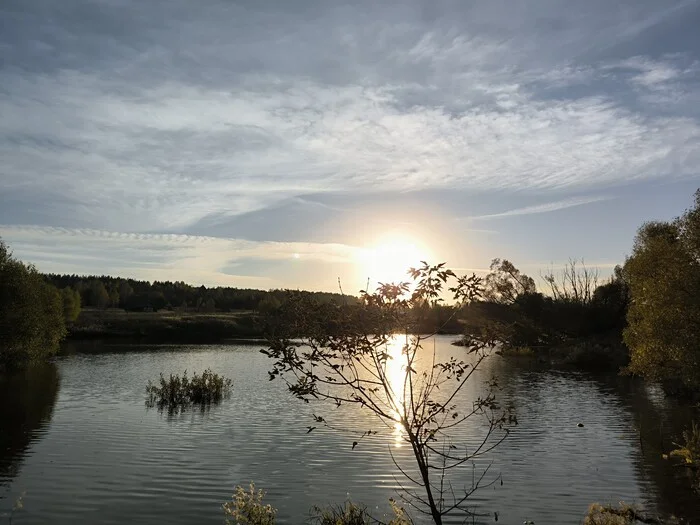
(389, 261)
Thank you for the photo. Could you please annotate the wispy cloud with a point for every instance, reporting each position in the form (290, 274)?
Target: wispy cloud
(148, 135)
(541, 208)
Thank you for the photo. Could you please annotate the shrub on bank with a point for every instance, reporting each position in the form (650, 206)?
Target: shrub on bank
(31, 314)
(623, 515)
(177, 392)
(247, 508)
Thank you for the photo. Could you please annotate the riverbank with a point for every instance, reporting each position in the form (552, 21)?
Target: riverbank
(595, 354)
(165, 326)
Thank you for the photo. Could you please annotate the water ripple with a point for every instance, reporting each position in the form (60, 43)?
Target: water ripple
(104, 458)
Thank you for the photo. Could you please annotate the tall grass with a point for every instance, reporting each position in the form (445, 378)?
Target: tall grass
(177, 392)
(348, 514)
(689, 450)
(246, 508)
(622, 515)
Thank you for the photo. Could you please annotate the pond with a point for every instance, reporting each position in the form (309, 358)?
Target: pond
(77, 438)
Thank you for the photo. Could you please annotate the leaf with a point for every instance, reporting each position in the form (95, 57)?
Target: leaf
(310, 429)
(354, 444)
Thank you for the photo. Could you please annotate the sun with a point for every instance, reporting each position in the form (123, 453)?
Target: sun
(389, 260)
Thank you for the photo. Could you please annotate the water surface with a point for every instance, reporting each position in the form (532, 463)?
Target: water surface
(78, 439)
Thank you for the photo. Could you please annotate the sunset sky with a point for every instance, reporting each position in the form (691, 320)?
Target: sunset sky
(291, 143)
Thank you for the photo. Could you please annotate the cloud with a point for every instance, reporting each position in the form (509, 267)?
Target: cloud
(153, 118)
(194, 259)
(542, 208)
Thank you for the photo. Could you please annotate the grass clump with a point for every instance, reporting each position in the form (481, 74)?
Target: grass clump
(246, 508)
(689, 450)
(353, 514)
(348, 514)
(623, 515)
(175, 392)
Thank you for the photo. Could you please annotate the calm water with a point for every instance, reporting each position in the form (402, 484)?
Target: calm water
(78, 439)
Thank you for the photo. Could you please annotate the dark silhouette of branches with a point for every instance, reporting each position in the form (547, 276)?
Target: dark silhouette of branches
(350, 353)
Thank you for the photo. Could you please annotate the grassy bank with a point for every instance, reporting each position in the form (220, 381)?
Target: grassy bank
(591, 354)
(165, 326)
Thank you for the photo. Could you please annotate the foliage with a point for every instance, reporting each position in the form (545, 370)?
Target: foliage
(31, 313)
(663, 273)
(130, 294)
(345, 356)
(505, 283)
(353, 514)
(178, 392)
(623, 515)
(71, 304)
(348, 514)
(689, 450)
(579, 324)
(246, 508)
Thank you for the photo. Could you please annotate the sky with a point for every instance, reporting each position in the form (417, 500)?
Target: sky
(296, 143)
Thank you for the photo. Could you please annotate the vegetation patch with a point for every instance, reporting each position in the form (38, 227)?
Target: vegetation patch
(175, 392)
(622, 515)
(354, 514)
(246, 508)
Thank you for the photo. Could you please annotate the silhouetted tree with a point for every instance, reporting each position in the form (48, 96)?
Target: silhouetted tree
(346, 356)
(504, 283)
(574, 284)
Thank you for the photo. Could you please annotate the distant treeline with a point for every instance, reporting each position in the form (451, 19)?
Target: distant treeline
(133, 295)
(581, 319)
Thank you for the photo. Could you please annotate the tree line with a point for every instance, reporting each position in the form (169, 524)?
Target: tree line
(135, 295)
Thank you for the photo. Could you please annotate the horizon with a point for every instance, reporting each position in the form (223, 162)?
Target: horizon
(297, 144)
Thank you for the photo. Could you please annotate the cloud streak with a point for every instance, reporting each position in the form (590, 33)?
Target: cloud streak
(541, 208)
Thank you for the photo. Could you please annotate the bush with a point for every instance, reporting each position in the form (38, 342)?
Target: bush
(178, 392)
(690, 449)
(348, 514)
(246, 508)
(354, 514)
(31, 314)
(623, 515)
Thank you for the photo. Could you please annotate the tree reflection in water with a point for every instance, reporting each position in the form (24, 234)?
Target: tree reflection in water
(27, 400)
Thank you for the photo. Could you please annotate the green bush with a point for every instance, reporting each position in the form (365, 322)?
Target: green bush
(175, 392)
(31, 314)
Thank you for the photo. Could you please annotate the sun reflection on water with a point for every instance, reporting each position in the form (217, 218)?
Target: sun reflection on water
(396, 377)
